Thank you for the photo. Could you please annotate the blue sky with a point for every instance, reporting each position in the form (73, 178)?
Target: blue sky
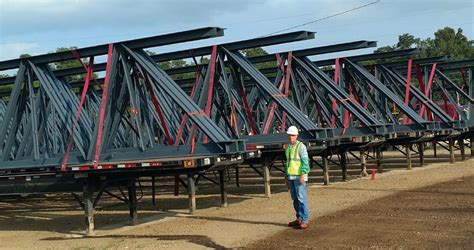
(40, 26)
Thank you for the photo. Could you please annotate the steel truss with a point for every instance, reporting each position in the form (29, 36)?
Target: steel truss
(137, 121)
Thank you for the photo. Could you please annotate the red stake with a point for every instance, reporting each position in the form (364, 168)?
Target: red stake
(374, 171)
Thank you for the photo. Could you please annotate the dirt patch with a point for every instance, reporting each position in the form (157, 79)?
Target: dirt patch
(437, 216)
(56, 223)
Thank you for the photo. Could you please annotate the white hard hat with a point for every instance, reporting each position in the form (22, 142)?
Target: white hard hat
(292, 130)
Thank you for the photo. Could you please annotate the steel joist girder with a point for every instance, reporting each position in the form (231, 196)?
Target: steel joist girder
(387, 93)
(338, 93)
(221, 143)
(38, 119)
(269, 89)
(421, 97)
(161, 84)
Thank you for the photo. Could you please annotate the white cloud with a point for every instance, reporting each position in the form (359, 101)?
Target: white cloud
(14, 50)
(29, 17)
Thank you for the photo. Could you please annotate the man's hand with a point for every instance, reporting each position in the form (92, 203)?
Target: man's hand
(302, 179)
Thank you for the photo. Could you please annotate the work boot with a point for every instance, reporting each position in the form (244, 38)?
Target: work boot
(294, 223)
(303, 225)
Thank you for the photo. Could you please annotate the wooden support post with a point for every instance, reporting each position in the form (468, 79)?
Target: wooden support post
(378, 159)
(472, 143)
(462, 149)
(325, 165)
(311, 162)
(408, 155)
(266, 177)
(237, 176)
(153, 191)
(132, 202)
(223, 188)
(452, 159)
(88, 200)
(421, 150)
(434, 149)
(344, 165)
(363, 163)
(191, 193)
(176, 185)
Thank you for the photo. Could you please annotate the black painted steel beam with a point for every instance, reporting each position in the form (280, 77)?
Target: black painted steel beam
(302, 52)
(372, 56)
(422, 61)
(160, 40)
(239, 45)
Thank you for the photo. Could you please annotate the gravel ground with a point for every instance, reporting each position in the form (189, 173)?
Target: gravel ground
(54, 222)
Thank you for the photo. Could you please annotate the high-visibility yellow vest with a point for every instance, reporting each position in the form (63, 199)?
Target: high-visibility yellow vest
(293, 160)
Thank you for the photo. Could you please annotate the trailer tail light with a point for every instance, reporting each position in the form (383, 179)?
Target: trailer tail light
(188, 163)
(152, 164)
(127, 165)
(105, 167)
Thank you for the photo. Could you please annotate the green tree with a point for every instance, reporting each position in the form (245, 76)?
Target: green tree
(452, 43)
(407, 41)
(173, 64)
(254, 52)
(446, 41)
(70, 64)
(204, 60)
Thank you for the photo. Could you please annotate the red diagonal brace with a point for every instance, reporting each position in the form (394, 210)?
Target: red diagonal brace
(347, 113)
(287, 88)
(103, 104)
(184, 118)
(211, 84)
(428, 87)
(248, 110)
(89, 70)
(336, 82)
(407, 89)
(419, 76)
(273, 106)
(78, 57)
(158, 110)
(463, 78)
(271, 112)
(366, 104)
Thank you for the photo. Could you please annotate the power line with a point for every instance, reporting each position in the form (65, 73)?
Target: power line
(323, 18)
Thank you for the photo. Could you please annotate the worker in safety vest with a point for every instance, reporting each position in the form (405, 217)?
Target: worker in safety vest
(297, 168)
